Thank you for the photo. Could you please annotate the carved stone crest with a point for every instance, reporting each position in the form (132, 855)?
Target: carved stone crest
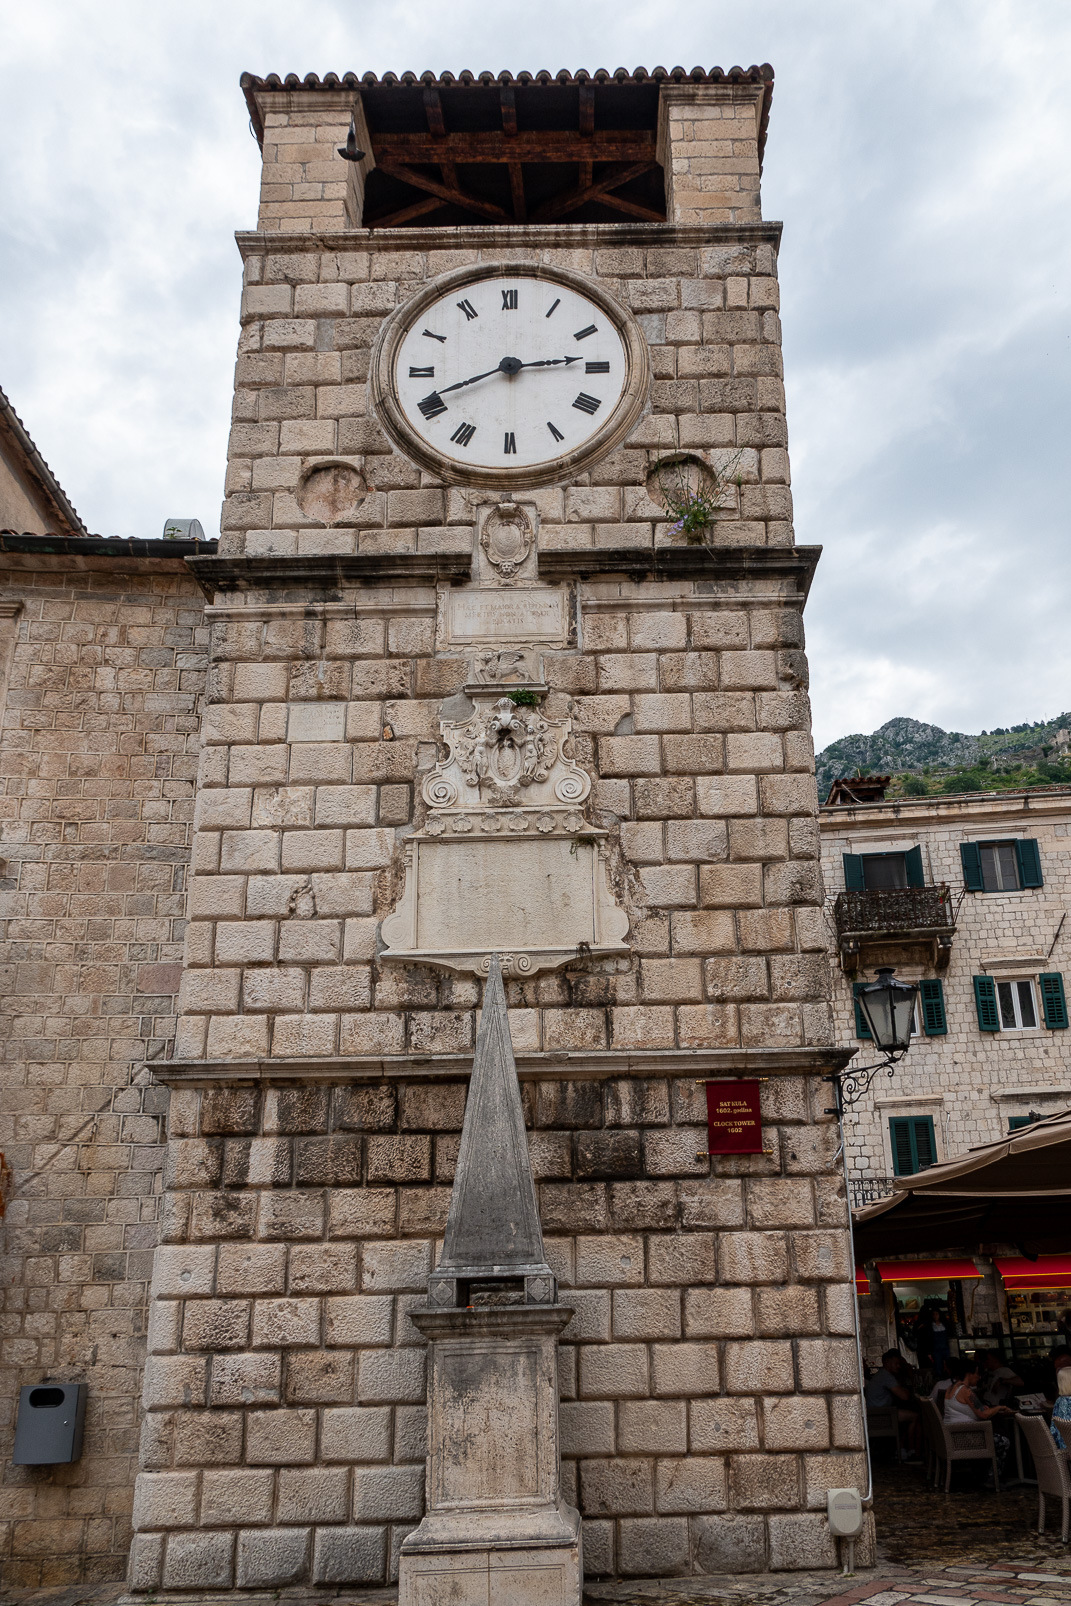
(504, 756)
(506, 539)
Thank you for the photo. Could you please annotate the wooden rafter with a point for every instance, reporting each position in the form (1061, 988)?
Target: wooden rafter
(528, 145)
(632, 208)
(601, 190)
(433, 111)
(446, 192)
(508, 102)
(405, 214)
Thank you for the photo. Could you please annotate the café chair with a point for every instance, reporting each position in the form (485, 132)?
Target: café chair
(883, 1422)
(1050, 1465)
(958, 1441)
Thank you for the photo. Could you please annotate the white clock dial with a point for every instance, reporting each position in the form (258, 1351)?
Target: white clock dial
(510, 372)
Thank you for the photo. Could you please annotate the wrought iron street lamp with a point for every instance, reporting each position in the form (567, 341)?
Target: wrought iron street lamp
(888, 1007)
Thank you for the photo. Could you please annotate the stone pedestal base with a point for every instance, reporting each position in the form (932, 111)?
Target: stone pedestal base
(543, 1575)
(497, 1532)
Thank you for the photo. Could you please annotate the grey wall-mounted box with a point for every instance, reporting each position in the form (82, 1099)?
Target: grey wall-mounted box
(50, 1422)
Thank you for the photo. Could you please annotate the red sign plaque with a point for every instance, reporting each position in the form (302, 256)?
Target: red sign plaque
(733, 1122)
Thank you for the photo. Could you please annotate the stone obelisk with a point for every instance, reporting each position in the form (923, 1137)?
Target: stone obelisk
(497, 1531)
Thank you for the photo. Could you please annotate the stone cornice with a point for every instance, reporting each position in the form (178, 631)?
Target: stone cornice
(544, 236)
(329, 571)
(697, 563)
(950, 808)
(582, 1065)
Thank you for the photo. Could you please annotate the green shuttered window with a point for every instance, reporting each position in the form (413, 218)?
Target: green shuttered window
(862, 1030)
(853, 872)
(985, 1002)
(1004, 866)
(932, 1006)
(1053, 1002)
(913, 1144)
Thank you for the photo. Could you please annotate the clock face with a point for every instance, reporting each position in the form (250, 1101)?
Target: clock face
(498, 376)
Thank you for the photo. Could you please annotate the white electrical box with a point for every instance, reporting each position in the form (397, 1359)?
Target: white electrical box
(845, 1509)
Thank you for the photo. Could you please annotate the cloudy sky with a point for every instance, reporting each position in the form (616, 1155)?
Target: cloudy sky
(918, 156)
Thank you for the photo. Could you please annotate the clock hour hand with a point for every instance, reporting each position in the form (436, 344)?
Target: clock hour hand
(461, 383)
(550, 362)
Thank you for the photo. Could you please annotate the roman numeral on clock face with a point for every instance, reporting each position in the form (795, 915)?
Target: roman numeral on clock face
(430, 335)
(596, 367)
(469, 310)
(509, 301)
(429, 373)
(558, 436)
(553, 307)
(432, 405)
(509, 446)
(463, 434)
(587, 404)
(582, 334)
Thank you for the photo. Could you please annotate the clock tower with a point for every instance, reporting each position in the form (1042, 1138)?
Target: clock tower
(507, 660)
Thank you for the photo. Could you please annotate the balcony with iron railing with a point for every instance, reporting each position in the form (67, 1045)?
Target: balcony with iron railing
(868, 1190)
(904, 917)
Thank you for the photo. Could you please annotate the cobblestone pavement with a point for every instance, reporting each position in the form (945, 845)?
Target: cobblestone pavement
(968, 1548)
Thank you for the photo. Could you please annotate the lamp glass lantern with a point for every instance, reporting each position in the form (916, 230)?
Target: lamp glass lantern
(889, 1008)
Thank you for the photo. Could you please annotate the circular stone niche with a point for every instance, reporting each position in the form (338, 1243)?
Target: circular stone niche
(331, 493)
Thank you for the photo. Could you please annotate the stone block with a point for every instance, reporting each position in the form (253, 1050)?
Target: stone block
(146, 1562)
(695, 1484)
(613, 1372)
(350, 1555)
(216, 1324)
(678, 1152)
(779, 1202)
(828, 1364)
(614, 1487)
(281, 1438)
(395, 1267)
(730, 1545)
(721, 1425)
(362, 1212)
(753, 1257)
(587, 1427)
(681, 1259)
(246, 1379)
(356, 1433)
(320, 1377)
(730, 886)
(658, 1427)
(822, 1256)
(313, 1494)
(846, 1419)
(165, 1500)
(718, 1313)
(711, 1202)
(174, 1380)
(764, 1482)
(795, 1422)
(236, 1496)
(653, 1547)
(391, 1377)
(800, 1541)
(388, 1494)
(646, 1313)
(688, 1369)
(199, 1561)
(329, 1268)
(787, 1311)
(269, 1558)
(252, 1269)
(763, 1366)
(401, 1159)
(609, 1261)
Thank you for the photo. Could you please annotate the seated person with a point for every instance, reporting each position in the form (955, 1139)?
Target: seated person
(963, 1405)
(1060, 1426)
(998, 1380)
(1060, 1359)
(953, 1370)
(888, 1389)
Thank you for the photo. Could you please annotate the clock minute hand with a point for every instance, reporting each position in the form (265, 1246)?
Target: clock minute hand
(550, 362)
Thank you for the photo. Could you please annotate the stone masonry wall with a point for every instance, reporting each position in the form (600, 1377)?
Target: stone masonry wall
(310, 316)
(968, 1081)
(707, 1377)
(97, 772)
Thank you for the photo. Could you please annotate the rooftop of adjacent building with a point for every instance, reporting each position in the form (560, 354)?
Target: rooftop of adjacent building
(940, 808)
(508, 148)
(27, 484)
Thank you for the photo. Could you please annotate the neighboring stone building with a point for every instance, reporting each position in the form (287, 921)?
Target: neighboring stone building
(31, 498)
(450, 709)
(967, 895)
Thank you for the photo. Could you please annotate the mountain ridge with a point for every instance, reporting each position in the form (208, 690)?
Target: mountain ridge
(913, 751)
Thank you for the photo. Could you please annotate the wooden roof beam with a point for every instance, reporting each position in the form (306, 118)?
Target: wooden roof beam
(570, 200)
(527, 145)
(446, 192)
